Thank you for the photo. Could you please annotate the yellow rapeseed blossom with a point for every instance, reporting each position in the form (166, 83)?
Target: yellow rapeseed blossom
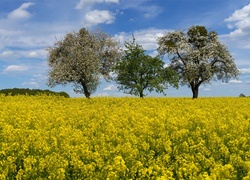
(51, 137)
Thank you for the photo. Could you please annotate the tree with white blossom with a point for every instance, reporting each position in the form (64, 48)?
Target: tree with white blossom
(81, 59)
(198, 57)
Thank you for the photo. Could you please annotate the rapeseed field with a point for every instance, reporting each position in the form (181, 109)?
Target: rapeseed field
(51, 137)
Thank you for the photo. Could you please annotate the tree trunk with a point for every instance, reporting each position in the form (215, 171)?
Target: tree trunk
(141, 94)
(195, 90)
(85, 89)
(87, 94)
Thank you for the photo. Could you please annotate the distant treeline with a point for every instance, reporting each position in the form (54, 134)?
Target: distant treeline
(26, 91)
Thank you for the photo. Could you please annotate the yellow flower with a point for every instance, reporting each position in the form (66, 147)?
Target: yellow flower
(48, 137)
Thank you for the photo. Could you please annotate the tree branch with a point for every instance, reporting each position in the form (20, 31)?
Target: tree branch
(182, 60)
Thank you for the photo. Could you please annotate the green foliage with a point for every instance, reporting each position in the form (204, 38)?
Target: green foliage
(137, 72)
(242, 95)
(31, 92)
(81, 58)
(198, 57)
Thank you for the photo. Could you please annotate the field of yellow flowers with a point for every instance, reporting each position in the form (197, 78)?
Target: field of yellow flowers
(51, 137)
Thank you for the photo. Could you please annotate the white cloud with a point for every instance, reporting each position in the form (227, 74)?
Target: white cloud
(151, 11)
(6, 54)
(21, 12)
(240, 22)
(245, 70)
(238, 38)
(33, 54)
(31, 83)
(16, 54)
(239, 15)
(166, 65)
(207, 89)
(95, 17)
(148, 11)
(37, 80)
(15, 68)
(102, 94)
(83, 3)
(110, 88)
(39, 53)
(7, 32)
(145, 37)
(234, 81)
(112, 1)
(41, 77)
(31, 40)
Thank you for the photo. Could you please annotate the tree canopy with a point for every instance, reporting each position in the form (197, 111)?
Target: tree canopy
(31, 92)
(198, 57)
(137, 72)
(81, 59)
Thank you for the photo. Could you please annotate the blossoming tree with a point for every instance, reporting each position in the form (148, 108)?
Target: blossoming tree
(198, 57)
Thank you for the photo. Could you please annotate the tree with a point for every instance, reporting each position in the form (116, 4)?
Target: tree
(81, 58)
(198, 57)
(137, 72)
(242, 95)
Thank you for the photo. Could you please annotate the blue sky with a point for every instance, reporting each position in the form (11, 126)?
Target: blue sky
(27, 28)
